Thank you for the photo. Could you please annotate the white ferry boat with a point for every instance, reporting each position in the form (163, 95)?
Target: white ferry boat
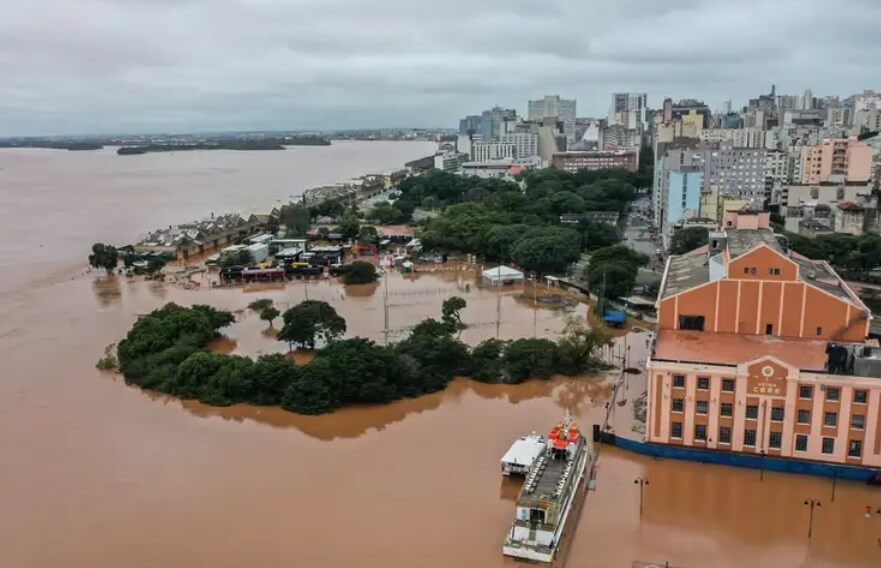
(524, 451)
(548, 495)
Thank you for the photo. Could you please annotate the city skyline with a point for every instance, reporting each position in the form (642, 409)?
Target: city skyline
(271, 65)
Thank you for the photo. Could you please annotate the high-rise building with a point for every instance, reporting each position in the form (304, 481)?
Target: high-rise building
(807, 101)
(525, 143)
(628, 110)
(489, 124)
(684, 185)
(552, 106)
(486, 151)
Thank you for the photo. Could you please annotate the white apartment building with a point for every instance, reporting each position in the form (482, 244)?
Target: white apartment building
(525, 143)
(488, 151)
(552, 106)
(737, 137)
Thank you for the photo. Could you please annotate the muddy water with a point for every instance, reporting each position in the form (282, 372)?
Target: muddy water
(97, 474)
(54, 204)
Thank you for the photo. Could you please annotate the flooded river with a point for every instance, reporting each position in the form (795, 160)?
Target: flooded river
(98, 474)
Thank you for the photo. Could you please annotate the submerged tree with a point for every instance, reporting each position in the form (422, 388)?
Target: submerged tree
(359, 272)
(450, 311)
(104, 256)
(260, 304)
(269, 314)
(310, 321)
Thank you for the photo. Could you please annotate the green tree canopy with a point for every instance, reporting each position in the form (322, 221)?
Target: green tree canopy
(616, 268)
(686, 240)
(386, 214)
(104, 256)
(450, 310)
(349, 226)
(260, 304)
(311, 321)
(359, 272)
(269, 314)
(546, 250)
(241, 257)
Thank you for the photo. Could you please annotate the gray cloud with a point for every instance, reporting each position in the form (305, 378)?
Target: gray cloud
(123, 65)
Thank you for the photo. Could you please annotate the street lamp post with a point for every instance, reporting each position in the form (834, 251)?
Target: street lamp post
(762, 466)
(642, 482)
(811, 503)
(834, 480)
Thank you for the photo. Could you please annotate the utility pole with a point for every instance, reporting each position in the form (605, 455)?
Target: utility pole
(642, 482)
(534, 304)
(834, 480)
(385, 303)
(498, 285)
(812, 503)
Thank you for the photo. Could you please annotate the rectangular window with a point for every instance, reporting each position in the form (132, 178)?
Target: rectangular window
(832, 393)
(805, 392)
(749, 437)
(774, 440)
(726, 409)
(678, 405)
(703, 383)
(752, 270)
(676, 430)
(693, 323)
(857, 421)
(819, 331)
(855, 448)
(774, 271)
(700, 407)
(801, 443)
(769, 329)
(777, 413)
(724, 435)
(804, 417)
(746, 269)
(830, 419)
(860, 396)
(752, 412)
(700, 432)
(727, 385)
(678, 381)
(828, 445)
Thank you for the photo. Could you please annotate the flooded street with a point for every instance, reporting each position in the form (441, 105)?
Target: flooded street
(98, 474)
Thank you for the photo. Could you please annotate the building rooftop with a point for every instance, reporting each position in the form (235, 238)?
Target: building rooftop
(733, 349)
(692, 269)
(741, 241)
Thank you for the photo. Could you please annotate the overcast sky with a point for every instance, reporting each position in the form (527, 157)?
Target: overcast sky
(77, 66)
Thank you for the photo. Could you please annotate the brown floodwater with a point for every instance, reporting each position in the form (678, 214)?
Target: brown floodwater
(98, 474)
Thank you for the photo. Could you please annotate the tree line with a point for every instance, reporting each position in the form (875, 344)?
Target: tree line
(502, 221)
(166, 351)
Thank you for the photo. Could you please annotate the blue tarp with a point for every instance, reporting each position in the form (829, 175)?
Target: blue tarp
(614, 317)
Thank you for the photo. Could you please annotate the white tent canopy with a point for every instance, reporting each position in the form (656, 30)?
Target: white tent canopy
(501, 275)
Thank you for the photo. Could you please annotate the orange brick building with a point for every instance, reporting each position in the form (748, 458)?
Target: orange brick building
(760, 350)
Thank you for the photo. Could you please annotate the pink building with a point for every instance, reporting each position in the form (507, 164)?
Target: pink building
(762, 351)
(838, 159)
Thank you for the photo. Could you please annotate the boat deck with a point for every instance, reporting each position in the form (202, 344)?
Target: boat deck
(552, 473)
(543, 483)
